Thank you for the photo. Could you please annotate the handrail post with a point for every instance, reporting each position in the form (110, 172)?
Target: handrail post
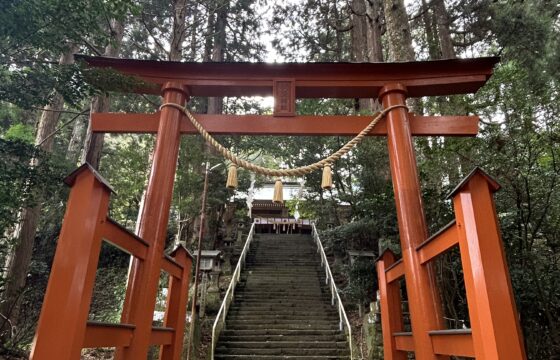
(343, 319)
(62, 323)
(176, 309)
(494, 321)
(228, 298)
(391, 308)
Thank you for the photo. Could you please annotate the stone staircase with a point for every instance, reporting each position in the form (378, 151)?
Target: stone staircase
(282, 307)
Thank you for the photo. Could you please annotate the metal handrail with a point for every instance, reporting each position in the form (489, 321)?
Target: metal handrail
(334, 291)
(220, 321)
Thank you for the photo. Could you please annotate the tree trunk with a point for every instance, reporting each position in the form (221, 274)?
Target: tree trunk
(17, 263)
(175, 54)
(76, 140)
(93, 143)
(359, 35)
(215, 104)
(215, 49)
(375, 45)
(427, 17)
(398, 31)
(359, 31)
(400, 39)
(194, 49)
(179, 30)
(444, 34)
(208, 35)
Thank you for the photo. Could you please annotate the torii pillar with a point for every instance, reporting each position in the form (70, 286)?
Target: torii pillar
(144, 275)
(425, 309)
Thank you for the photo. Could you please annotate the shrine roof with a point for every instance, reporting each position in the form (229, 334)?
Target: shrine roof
(312, 80)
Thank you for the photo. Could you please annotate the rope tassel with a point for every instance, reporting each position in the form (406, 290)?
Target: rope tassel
(278, 192)
(232, 177)
(326, 183)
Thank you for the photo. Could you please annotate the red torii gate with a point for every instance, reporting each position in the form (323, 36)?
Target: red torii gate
(63, 330)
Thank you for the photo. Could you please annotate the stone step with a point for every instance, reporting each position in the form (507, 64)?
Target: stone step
(283, 351)
(295, 326)
(284, 344)
(303, 294)
(317, 296)
(279, 297)
(305, 322)
(272, 308)
(288, 312)
(277, 357)
(231, 318)
(257, 282)
(289, 291)
(284, 274)
(280, 303)
(282, 307)
(288, 332)
(283, 338)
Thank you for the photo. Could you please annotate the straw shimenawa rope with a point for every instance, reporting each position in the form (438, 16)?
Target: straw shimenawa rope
(300, 171)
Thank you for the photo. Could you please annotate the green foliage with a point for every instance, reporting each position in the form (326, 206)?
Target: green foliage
(28, 26)
(33, 38)
(362, 281)
(359, 235)
(19, 180)
(125, 164)
(20, 132)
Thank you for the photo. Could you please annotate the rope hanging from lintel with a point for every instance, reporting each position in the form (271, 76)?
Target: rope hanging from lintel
(324, 164)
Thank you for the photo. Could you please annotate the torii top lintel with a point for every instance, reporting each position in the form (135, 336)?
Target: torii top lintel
(311, 80)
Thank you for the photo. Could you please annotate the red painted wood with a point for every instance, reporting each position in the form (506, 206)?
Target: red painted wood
(391, 308)
(494, 319)
(438, 244)
(295, 126)
(144, 276)
(107, 335)
(176, 310)
(452, 342)
(424, 305)
(62, 323)
(313, 80)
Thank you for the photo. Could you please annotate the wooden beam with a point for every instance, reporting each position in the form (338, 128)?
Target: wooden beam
(125, 240)
(298, 125)
(161, 336)
(171, 267)
(312, 80)
(395, 271)
(439, 243)
(100, 334)
(453, 342)
(404, 341)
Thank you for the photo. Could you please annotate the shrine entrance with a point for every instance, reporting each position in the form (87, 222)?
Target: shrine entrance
(63, 329)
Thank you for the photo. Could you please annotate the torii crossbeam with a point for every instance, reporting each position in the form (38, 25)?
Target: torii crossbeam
(391, 83)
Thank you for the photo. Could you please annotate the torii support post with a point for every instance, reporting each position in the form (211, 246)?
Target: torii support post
(144, 275)
(495, 327)
(424, 304)
(62, 323)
